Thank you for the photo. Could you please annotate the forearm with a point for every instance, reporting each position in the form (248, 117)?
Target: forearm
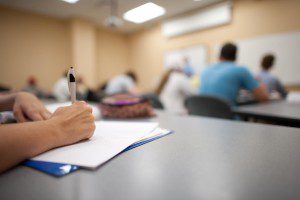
(7, 102)
(25, 140)
(260, 94)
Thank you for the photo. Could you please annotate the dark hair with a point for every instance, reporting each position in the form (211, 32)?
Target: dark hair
(132, 75)
(228, 52)
(267, 61)
(102, 87)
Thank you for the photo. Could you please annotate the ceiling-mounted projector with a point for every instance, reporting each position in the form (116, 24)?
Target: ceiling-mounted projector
(113, 22)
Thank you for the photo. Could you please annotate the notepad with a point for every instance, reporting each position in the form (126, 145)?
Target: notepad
(109, 139)
(58, 169)
(53, 107)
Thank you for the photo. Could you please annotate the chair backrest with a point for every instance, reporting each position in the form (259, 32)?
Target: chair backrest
(154, 100)
(208, 106)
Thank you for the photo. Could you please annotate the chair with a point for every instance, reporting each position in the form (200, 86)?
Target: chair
(154, 100)
(208, 106)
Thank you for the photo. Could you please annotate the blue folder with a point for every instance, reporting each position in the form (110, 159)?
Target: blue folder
(58, 169)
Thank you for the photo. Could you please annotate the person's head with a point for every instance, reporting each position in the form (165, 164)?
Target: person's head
(132, 75)
(228, 52)
(32, 81)
(267, 62)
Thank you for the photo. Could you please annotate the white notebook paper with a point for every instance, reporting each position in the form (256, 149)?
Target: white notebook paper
(109, 139)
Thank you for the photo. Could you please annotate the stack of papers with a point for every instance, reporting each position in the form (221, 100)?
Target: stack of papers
(109, 139)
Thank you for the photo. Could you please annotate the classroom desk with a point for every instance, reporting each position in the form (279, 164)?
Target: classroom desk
(205, 159)
(278, 112)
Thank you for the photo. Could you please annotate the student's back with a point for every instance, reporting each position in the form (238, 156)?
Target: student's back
(61, 90)
(225, 79)
(175, 91)
(125, 83)
(119, 84)
(272, 83)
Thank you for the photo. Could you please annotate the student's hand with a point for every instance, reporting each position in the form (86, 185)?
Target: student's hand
(28, 108)
(73, 123)
(260, 93)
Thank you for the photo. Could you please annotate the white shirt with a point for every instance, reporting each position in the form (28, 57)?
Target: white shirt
(176, 90)
(61, 90)
(119, 84)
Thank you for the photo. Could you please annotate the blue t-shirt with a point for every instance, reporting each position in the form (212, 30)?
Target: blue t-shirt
(225, 79)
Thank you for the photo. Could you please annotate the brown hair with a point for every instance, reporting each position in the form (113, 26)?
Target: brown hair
(228, 52)
(132, 75)
(267, 61)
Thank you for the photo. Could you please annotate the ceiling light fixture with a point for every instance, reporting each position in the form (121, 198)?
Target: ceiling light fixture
(70, 1)
(144, 13)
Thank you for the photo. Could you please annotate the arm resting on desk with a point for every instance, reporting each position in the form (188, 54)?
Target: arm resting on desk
(25, 106)
(66, 126)
(24, 140)
(260, 94)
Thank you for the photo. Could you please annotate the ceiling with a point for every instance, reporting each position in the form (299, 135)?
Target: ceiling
(97, 11)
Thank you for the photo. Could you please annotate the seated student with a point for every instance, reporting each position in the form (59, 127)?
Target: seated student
(187, 67)
(33, 88)
(4, 88)
(67, 125)
(272, 83)
(174, 88)
(61, 89)
(125, 83)
(225, 79)
(82, 88)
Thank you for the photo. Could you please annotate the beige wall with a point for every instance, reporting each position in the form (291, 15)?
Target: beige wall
(84, 50)
(251, 18)
(97, 54)
(112, 55)
(37, 45)
(32, 45)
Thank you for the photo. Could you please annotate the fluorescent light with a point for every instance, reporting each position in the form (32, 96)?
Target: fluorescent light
(70, 1)
(144, 13)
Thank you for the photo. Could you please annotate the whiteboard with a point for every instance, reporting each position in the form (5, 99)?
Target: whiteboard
(286, 48)
(197, 56)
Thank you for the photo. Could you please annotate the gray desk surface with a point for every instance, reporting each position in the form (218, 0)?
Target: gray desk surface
(280, 109)
(205, 159)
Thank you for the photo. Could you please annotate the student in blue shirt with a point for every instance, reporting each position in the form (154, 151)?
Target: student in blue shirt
(272, 83)
(225, 79)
